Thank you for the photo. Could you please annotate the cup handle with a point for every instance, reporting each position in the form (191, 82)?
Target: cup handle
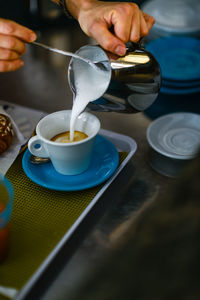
(36, 147)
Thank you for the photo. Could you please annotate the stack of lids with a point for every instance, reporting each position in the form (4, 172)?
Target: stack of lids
(174, 17)
(179, 59)
(174, 140)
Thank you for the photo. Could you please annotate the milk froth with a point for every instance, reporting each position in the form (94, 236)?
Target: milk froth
(90, 84)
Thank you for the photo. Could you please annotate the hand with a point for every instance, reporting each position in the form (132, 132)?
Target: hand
(96, 18)
(12, 44)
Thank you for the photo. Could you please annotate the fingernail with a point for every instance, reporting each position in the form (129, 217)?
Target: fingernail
(32, 37)
(120, 50)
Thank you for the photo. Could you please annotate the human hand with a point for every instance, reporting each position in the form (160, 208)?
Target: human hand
(127, 21)
(12, 44)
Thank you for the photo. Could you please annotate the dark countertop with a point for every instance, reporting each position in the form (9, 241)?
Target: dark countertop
(42, 84)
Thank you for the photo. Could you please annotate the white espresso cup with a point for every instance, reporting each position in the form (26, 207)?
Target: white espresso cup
(67, 158)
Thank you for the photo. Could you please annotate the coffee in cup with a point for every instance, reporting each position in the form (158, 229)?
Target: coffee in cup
(64, 137)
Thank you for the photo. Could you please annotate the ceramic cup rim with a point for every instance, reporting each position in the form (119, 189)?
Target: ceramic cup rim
(48, 141)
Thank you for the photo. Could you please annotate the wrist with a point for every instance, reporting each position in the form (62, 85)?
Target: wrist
(76, 6)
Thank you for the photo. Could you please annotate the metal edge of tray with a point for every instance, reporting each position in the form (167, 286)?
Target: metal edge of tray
(122, 143)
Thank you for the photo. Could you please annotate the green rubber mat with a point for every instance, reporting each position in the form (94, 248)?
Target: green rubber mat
(40, 219)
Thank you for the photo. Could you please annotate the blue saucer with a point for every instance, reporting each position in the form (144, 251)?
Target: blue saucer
(179, 57)
(105, 159)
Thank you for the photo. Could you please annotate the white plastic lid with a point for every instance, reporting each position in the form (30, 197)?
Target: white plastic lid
(175, 15)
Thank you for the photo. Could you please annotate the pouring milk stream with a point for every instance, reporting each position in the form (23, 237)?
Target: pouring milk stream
(88, 83)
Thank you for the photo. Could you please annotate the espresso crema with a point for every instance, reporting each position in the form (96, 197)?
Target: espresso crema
(64, 137)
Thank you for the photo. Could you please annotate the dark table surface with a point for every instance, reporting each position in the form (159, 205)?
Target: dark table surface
(42, 84)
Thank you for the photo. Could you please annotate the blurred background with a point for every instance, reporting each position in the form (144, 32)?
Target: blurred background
(43, 83)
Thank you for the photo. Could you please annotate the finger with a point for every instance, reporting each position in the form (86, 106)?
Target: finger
(9, 27)
(122, 21)
(144, 30)
(149, 20)
(6, 54)
(135, 30)
(107, 40)
(12, 43)
(8, 66)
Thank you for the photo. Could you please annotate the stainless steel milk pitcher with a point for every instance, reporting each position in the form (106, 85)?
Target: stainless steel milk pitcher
(134, 83)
